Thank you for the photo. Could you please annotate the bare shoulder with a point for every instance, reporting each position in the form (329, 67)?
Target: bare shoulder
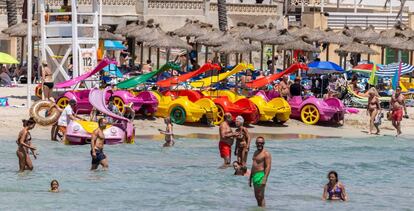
(267, 153)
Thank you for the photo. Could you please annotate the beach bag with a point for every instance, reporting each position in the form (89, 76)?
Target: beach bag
(389, 115)
(378, 119)
(4, 101)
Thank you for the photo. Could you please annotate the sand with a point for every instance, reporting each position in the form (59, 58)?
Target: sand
(356, 125)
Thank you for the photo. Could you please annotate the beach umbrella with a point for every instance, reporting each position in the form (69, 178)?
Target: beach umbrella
(236, 46)
(324, 67)
(124, 30)
(352, 32)
(298, 44)
(390, 69)
(190, 29)
(20, 30)
(280, 40)
(7, 59)
(366, 35)
(254, 32)
(373, 78)
(335, 38)
(240, 30)
(355, 47)
(211, 35)
(407, 45)
(169, 41)
(367, 67)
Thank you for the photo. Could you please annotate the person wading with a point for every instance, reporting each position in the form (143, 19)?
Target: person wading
(24, 145)
(97, 146)
(242, 141)
(262, 162)
(226, 140)
(397, 106)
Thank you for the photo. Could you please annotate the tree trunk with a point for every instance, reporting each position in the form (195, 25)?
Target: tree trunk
(11, 12)
(222, 20)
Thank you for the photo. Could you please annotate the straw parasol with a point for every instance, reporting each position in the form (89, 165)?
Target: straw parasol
(355, 47)
(335, 38)
(169, 41)
(298, 44)
(387, 41)
(20, 30)
(352, 32)
(123, 30)
(236, 46)
(254, 32)
(212, 34)
(240, 30)
(280, 40)
(103, 35)
(366, 35)
(190, 29)
(217, 41)
(407, 45)
(271, 33)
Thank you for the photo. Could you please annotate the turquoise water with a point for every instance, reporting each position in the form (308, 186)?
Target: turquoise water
(378, 174)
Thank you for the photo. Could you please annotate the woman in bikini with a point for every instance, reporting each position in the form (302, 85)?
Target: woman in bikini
(168, 132)
(334, 190)
(24, 145)
(242, 141)
(47, 80)
(373, 109)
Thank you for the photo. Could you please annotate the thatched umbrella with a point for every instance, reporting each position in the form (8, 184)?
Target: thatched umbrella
(302, 32)
(236, 46)
(298, 44)
(102, 35)
(352, 32)
(331, 37)
(167, 41)
(355, 47)
(124, 30)
(366, 35)
(149, 33)
(252, 34)
(240, 30)
(191, 28)
(211, 34)
(408, 33)
(279, 40)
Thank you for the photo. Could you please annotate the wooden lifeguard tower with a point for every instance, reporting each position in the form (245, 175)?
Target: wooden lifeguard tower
(67, 33)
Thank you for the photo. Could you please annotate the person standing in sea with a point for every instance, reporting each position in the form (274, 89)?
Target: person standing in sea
(397, 106)
(226, 140)
(24, 145)
(242, 141)
(262, 162)
(97, 145)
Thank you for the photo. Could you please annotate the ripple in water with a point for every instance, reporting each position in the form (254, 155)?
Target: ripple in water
(146, 176)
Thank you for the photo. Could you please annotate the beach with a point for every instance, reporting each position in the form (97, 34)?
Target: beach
(355, 125)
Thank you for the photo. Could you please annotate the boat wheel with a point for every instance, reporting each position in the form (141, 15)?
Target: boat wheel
(178, 115)
(62, 102)
(310, 114)
(119, 103)
(220, 115)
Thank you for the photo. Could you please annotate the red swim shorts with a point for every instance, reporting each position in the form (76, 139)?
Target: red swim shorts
(397, 115)
(225, 149)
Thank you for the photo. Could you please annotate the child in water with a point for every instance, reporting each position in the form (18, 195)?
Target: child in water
(54, 186)
(168, 132)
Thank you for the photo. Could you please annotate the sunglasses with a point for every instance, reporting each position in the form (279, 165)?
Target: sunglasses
(259, 143)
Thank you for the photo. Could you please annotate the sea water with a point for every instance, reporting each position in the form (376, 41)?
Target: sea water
(378, 174)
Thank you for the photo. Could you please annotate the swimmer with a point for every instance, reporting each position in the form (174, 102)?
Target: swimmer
(334, 190)
(168, 132)
(242, 141)
(97, 145)
(262, 162)
(54, 186)
(226, 140)
(240, 170)
(24, 145)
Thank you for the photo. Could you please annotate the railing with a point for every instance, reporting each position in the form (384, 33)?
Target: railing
(338, 20)
(260, 9)
(175, 4)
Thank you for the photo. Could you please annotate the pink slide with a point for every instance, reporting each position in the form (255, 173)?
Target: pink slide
(97, 99)
(182, 78)
(269, 79)
(73, 81)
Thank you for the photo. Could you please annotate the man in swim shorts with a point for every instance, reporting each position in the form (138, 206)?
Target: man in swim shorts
(262, 161)
(97, 145)
(226, 140)
(397, 106)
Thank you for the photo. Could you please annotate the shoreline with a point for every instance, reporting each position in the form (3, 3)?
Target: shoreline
(355, 124)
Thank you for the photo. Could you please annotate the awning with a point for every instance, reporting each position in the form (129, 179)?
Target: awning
(114, 45)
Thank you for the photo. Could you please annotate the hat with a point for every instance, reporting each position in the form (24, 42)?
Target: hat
(240, 119)
(44, 62)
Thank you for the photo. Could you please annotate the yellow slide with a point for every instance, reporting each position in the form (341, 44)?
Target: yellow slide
(214, 79)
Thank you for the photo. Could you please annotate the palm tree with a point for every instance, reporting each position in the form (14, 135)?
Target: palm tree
(222, 20)
(11, 12)
(222, 14)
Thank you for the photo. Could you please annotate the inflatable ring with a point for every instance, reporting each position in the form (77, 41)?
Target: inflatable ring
(52, 113)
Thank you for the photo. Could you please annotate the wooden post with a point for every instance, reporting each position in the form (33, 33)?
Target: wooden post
(382, 55)
(196, 46)
(149, 53)
(273, 60)
(261, 55)
(158, 58)
(142, 54)
(250, 54)
(327, 52)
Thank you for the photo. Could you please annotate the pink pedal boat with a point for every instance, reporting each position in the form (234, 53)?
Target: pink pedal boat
(79, 132)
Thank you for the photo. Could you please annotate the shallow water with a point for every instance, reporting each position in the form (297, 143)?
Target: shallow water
(378, 174)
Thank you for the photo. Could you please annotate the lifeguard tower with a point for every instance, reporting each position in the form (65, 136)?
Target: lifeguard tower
(69, 39)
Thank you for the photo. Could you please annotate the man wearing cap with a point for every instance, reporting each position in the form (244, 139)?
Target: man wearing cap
(242, 141)
(397, 106)
(296, 88)
(226, 140)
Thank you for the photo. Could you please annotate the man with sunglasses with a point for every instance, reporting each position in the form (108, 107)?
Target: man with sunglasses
(262, 161)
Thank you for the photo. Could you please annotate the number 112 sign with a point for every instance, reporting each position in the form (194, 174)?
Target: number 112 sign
(87, 60)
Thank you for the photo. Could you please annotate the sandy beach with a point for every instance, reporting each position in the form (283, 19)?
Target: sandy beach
(355, 124)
